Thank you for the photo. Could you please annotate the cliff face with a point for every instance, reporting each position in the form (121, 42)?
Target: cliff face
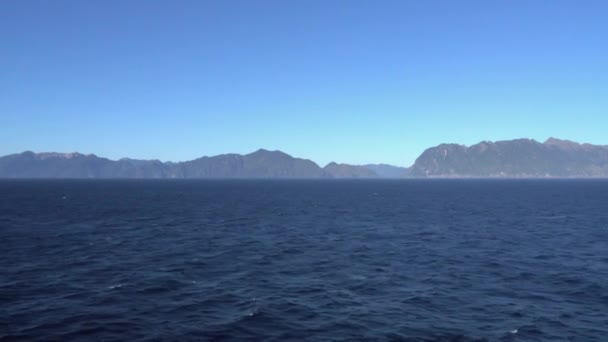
(513, 158)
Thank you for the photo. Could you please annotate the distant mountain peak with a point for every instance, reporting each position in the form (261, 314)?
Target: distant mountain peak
(45, 155)
(560, 142)
(263, 151)
(56, 155)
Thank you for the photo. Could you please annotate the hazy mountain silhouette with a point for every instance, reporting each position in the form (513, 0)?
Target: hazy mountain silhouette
(387, 171)
(512, 158)
(348, 171)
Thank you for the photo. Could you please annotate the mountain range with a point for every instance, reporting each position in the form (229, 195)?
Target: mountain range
(520, 158)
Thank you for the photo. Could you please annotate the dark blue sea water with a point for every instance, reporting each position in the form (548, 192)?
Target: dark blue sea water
(464, 260)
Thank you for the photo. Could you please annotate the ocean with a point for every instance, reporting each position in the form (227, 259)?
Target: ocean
(304, 260)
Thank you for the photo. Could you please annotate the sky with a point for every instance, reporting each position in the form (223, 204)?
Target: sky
(347, 81)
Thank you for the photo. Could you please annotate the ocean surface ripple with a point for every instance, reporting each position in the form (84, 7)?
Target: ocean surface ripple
(411, 260)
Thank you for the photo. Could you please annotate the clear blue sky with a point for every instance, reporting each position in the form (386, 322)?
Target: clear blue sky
(350, 81)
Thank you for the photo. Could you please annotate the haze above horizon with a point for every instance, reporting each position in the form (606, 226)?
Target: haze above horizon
(350, 82)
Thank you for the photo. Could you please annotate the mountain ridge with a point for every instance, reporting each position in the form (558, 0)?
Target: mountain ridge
(517, 158)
